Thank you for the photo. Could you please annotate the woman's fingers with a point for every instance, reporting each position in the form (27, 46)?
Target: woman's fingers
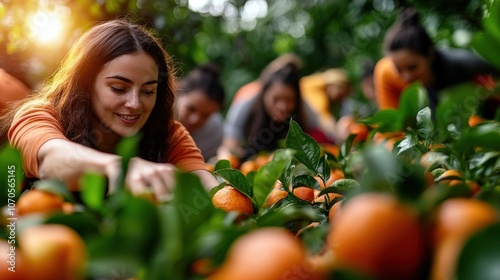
(144, 175)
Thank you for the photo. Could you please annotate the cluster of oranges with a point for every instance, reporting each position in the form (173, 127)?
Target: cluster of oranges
(45, 251)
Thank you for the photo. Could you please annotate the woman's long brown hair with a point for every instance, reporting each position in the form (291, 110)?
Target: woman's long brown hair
(69, 90)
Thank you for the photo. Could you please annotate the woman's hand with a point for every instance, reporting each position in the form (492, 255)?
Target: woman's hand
(144, 175)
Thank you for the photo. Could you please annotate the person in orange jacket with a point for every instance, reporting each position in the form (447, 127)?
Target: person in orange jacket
(411, 56)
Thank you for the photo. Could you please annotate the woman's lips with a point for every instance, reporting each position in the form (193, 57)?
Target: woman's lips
(128, 119)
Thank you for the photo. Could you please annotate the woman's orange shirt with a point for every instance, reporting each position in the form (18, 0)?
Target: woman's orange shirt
(388, 84)
(32, 127)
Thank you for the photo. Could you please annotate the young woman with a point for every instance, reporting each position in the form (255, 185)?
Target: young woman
(116, 81)
(200, 97)
(258, 123)
(411, 56)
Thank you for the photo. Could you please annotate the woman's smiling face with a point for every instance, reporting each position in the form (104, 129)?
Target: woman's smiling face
(124, 93)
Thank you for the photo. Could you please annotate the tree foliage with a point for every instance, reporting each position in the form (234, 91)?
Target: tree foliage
(241, 36)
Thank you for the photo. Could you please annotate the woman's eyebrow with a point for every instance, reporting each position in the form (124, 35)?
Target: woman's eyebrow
(121, 78)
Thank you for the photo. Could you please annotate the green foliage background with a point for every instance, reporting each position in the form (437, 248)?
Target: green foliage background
(324, 33)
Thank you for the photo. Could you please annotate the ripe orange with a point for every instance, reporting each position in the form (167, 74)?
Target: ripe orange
(262, 159)
(210, 167)
(304, 193)
(264, 254)
(455, 220)
(475, 120)
(332, 149)
(334, 210)
(335, 174)
(360, 130)
(234, 161)
(331, 196)
(230, 199)
(38, 201)
(53, 251)
(378, 236)
(449, 177)
(248, 166)
(388, 139)
(275, 196)
(11, 258)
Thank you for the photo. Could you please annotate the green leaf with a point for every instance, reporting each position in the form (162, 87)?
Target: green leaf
(93, 188)
(287, 176)
(222, 164)
(86, 225)
(305, 181)
(386, 120)
(307, 150)
(412, 100)
(11, 174)
(323, 169)
(487, 45)
(491, 23)
(236, 179)
(54, 186)
(127, 148)
(192, 202)
(480, 159)
(292, 212)
(341, 186)
(484, 135)
(456, 105)
(425, 127)
(410, 141)
(314, 238)
(131, 245)
(266, 176)
(480, 255)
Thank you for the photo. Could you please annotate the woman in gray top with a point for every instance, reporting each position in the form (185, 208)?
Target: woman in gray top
(200, 97)
(258, 123)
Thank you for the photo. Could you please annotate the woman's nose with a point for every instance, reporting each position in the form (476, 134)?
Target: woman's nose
(133, 100)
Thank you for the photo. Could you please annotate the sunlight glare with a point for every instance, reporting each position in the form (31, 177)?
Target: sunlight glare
(46, 27)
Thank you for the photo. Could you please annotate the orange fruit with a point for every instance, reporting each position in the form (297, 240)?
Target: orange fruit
(449, 177)
(388, 139)
(275, 196)
(360, 130)
(12, 265)
(262, 159)
(461, 217)
(210, 167)
(475, 120)
(455, 220)
(38, 201)
(332, 149)
(304, 193)
(234, 161)
(334, 210)
(202, 267)
(335, 174)
(248, 166)
(68, 208)
(377, 235)
(230, 199)
(265, 254)
(320, 266)
(331, 196)
(53, 251)
(380, 137)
